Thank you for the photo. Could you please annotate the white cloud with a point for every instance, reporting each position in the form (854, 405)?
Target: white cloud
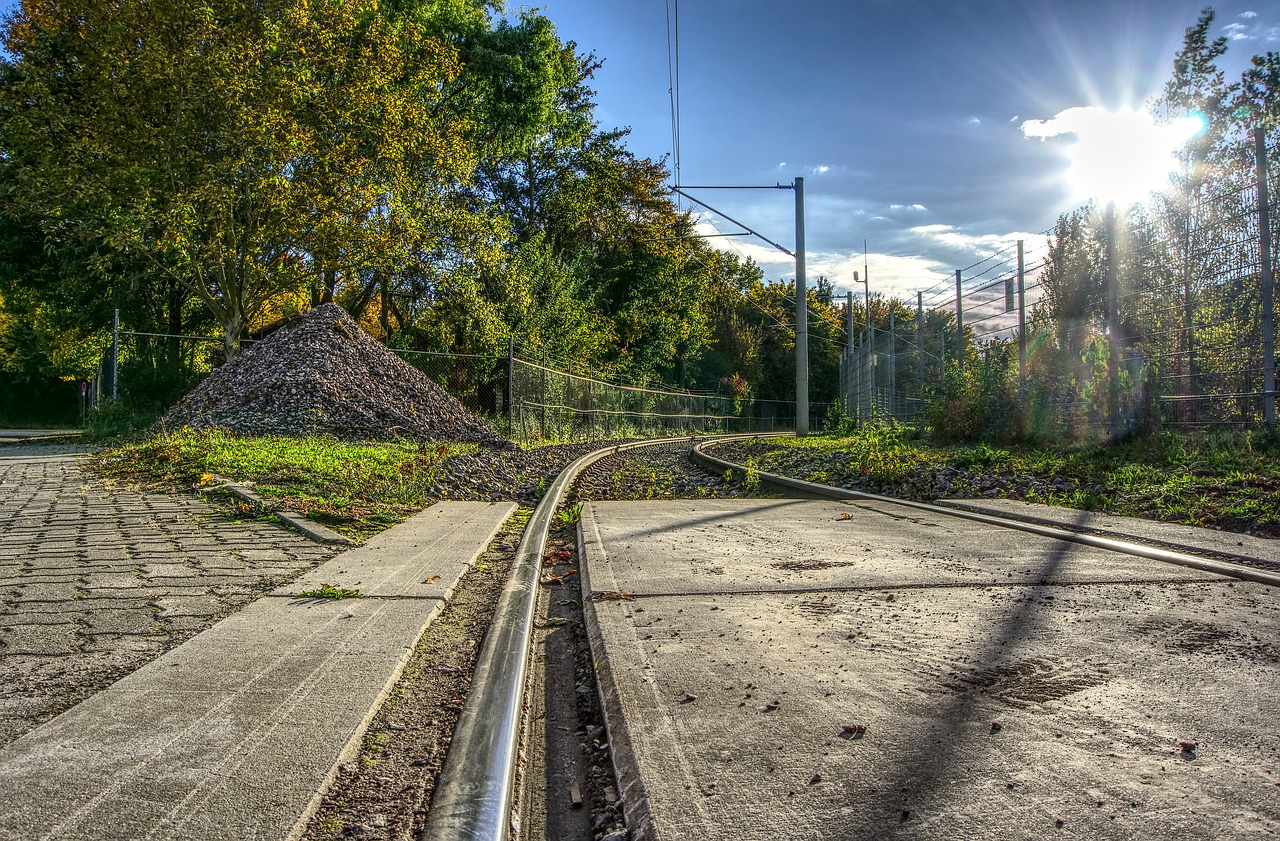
(975, 121)
(918, 208)
(1247, 15)
(1237, 32)
(1119, 155)
(1014, 118)
(781, 165)
(818, 170)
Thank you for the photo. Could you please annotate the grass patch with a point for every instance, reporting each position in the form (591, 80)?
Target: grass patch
(355, 488)
(1226, 480)
(331, 591)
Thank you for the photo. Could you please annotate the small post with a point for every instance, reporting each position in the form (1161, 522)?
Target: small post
(959, 326)
(1022, 314)
(802, 320)
(115, 355)
(1268, 281)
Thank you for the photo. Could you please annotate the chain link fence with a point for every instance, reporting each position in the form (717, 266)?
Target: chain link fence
(1173, 327)
(527, 401)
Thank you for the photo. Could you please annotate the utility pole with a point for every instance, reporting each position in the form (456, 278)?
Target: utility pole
(802, 320)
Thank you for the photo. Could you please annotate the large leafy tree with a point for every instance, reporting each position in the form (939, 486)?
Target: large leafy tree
(241, 149)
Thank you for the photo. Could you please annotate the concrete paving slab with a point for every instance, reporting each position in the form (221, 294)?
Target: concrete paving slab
(1048, 702)
(698, 546)
(234, 733)
(422, 561)
(1185, 538)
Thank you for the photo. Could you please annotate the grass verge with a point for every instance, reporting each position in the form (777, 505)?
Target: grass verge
(1224, 480)
(357, 489)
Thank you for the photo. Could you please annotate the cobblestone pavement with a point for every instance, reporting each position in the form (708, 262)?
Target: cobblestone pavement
(97, 579)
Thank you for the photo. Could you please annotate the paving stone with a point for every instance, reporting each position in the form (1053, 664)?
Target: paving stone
(155, 570)
(48, 591)
(41, 639)
(110, 620)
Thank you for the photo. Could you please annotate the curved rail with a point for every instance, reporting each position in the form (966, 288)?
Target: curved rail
(474, 799)
(812, 489)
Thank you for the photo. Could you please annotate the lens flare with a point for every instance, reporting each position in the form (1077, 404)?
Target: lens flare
(1120, 155)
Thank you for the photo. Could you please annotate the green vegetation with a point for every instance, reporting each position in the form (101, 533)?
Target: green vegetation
(436, 168)
(570, 514)
(1221, 480)
(331, 591)
(355, 488)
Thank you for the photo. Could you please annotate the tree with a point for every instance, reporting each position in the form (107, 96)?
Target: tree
(243, 149)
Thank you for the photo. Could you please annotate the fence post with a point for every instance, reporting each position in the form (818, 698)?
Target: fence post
(893, 364)
(511, 387)
(115, 355)
(1113, 323)
(920, 348)
(1022, 314)
(1268, 280)
(959, 326)
(871, 374)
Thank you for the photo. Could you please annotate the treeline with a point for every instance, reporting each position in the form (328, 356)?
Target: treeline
(210, 166)
(1186, 346)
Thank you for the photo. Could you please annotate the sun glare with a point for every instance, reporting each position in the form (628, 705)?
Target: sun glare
(1120, 155)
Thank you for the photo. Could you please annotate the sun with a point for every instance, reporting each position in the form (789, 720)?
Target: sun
(1119, 156)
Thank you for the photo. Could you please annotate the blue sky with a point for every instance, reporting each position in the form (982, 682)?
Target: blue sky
(903, 117)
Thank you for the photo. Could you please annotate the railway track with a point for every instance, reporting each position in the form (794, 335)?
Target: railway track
(477, 796)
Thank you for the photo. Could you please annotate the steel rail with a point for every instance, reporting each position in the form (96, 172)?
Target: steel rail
(475, 798)
(812, 489)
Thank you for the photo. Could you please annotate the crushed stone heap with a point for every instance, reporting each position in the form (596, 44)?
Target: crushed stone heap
(322, 374)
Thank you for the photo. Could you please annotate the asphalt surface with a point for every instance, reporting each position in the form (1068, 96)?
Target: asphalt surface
(826, 670)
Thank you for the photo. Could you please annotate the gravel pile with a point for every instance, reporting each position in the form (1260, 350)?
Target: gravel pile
(322, 374)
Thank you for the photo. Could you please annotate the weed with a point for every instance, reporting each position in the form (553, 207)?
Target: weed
(331, 591)
(569, 515)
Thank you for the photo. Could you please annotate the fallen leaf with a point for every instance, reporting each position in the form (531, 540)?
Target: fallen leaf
(609, 595)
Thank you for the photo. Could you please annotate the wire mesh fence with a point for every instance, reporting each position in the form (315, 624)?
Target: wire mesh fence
(527, 401)
(1168, 327)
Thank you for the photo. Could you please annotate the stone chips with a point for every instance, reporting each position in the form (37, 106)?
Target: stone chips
(322, 374)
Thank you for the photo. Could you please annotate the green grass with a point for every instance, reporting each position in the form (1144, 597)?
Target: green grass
(356, 488)
(331, 591)
(1227, 480)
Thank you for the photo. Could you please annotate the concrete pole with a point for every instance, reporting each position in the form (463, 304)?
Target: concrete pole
(1022, 314)
(959, 326)
(1113, 323)
(1268, 281)
(802, 320)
